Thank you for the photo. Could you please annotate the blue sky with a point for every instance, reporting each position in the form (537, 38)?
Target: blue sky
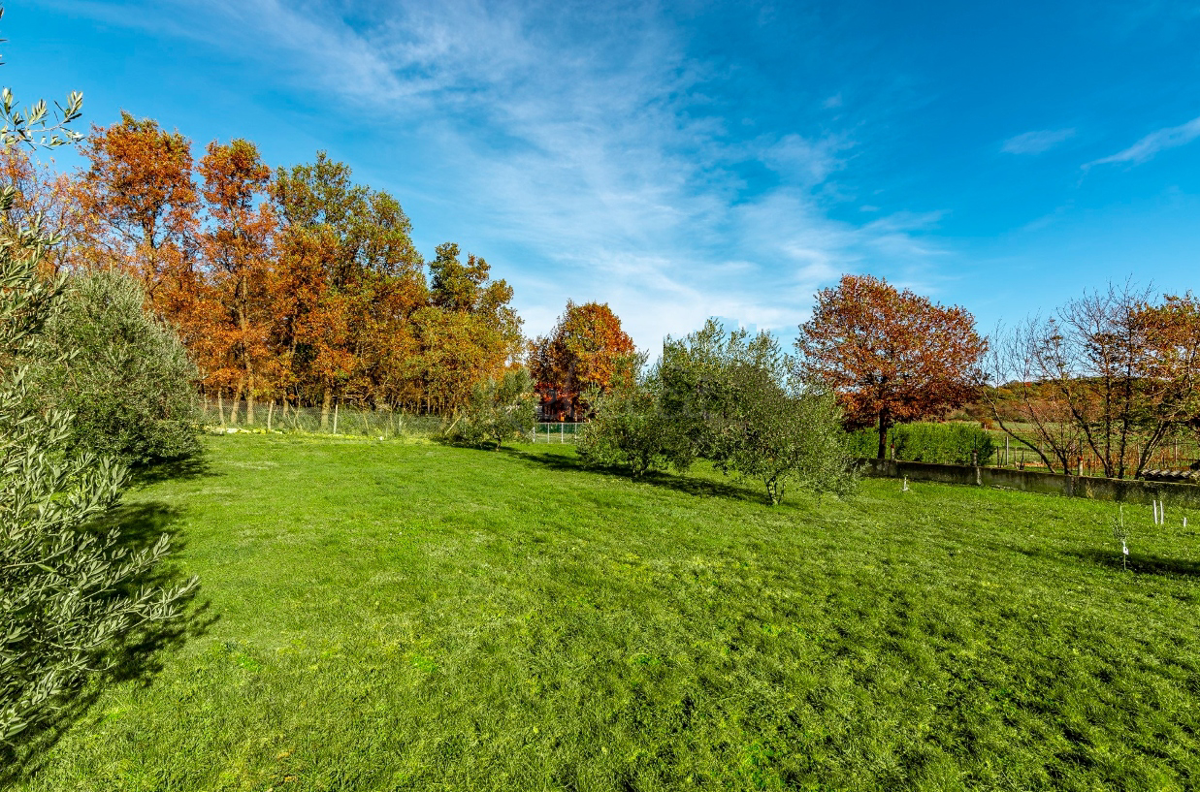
(692, 159)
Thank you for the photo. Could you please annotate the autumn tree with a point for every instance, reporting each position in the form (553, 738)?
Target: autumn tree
(243, 299)
(40, 194)
(354, 273)
(891, 356)
(584, 351)
(138, 207)
(468, 333)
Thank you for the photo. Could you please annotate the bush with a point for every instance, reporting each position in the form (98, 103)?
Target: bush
(498, 410)
(124, 376)
(947, 444)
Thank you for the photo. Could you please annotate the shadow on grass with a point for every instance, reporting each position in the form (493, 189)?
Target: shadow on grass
(689, 485)
(182, 469)
(1142, 564)
(139, 657)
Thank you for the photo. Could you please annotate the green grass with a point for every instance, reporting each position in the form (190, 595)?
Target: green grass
(391, 616)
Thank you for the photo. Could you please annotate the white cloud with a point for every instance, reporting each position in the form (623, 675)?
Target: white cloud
(582, 139)
(1151, 144)
(1036, 142)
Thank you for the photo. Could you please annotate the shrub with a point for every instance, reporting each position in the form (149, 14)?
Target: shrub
(947, 444)
(498, 410)
(124, 376)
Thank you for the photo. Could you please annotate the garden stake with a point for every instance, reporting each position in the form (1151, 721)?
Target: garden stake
(1120, 534)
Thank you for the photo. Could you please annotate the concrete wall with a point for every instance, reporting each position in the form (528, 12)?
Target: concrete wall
(1125, 491)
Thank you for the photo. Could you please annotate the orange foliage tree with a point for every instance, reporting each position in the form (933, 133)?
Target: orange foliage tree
(241, 296)
(138, 208)
(891, 356)
(40, 193)
(586, 349)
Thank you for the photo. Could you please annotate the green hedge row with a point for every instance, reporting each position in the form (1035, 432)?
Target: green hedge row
(944, 443)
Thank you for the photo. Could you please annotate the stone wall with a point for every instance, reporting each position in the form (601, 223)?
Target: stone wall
(1125, 491)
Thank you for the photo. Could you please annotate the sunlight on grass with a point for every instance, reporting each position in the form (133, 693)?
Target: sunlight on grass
(393, 616)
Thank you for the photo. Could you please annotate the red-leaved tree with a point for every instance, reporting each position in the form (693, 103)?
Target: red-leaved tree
(585, 350)
(891, 356)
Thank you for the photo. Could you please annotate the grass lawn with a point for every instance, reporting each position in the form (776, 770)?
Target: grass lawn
(392, 616)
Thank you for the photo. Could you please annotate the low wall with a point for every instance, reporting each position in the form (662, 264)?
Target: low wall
(1125, 491)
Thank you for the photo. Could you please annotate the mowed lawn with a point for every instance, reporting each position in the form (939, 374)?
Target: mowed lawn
(414, 616)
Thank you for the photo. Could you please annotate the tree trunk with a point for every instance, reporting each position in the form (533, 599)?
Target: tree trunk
(326, 406)
(883, 429)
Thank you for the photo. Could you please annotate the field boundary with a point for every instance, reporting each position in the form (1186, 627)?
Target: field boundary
(1120, 490)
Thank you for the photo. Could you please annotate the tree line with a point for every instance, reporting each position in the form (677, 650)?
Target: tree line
(294, 285)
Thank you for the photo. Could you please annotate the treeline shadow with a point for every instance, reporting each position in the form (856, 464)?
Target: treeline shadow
(139, 657)
(679, 482)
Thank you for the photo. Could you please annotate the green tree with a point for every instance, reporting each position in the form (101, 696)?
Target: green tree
(776, 436)
(731, 398)
(629, 428)
(501, 408)
(67, 595)
(122, 374)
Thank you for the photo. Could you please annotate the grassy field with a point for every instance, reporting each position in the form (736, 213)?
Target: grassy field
(404, 616)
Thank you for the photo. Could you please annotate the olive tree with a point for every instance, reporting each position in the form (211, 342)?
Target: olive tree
(122, 373)
(68, 594)
(499, 409)
(629, 428)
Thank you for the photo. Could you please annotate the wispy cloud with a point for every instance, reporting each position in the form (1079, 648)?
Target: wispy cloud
(584, 142)
(1146, 148)
(1036, 142)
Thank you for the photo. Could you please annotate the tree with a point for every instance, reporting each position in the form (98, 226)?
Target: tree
(889, 355)
(467, 334)
(244, 302)
(500, 409)
(583, 352)
(777, 437)
(1112, 373)
(138, 208)
(352, 274)
(629, 428)
(40, 193)
(121, 373)
(67, 595)
(731, 398)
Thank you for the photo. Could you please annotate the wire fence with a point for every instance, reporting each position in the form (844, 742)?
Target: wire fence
(1175, 455)
(346, 421)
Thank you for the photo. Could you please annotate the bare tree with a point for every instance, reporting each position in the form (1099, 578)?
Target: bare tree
(1111, 373)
